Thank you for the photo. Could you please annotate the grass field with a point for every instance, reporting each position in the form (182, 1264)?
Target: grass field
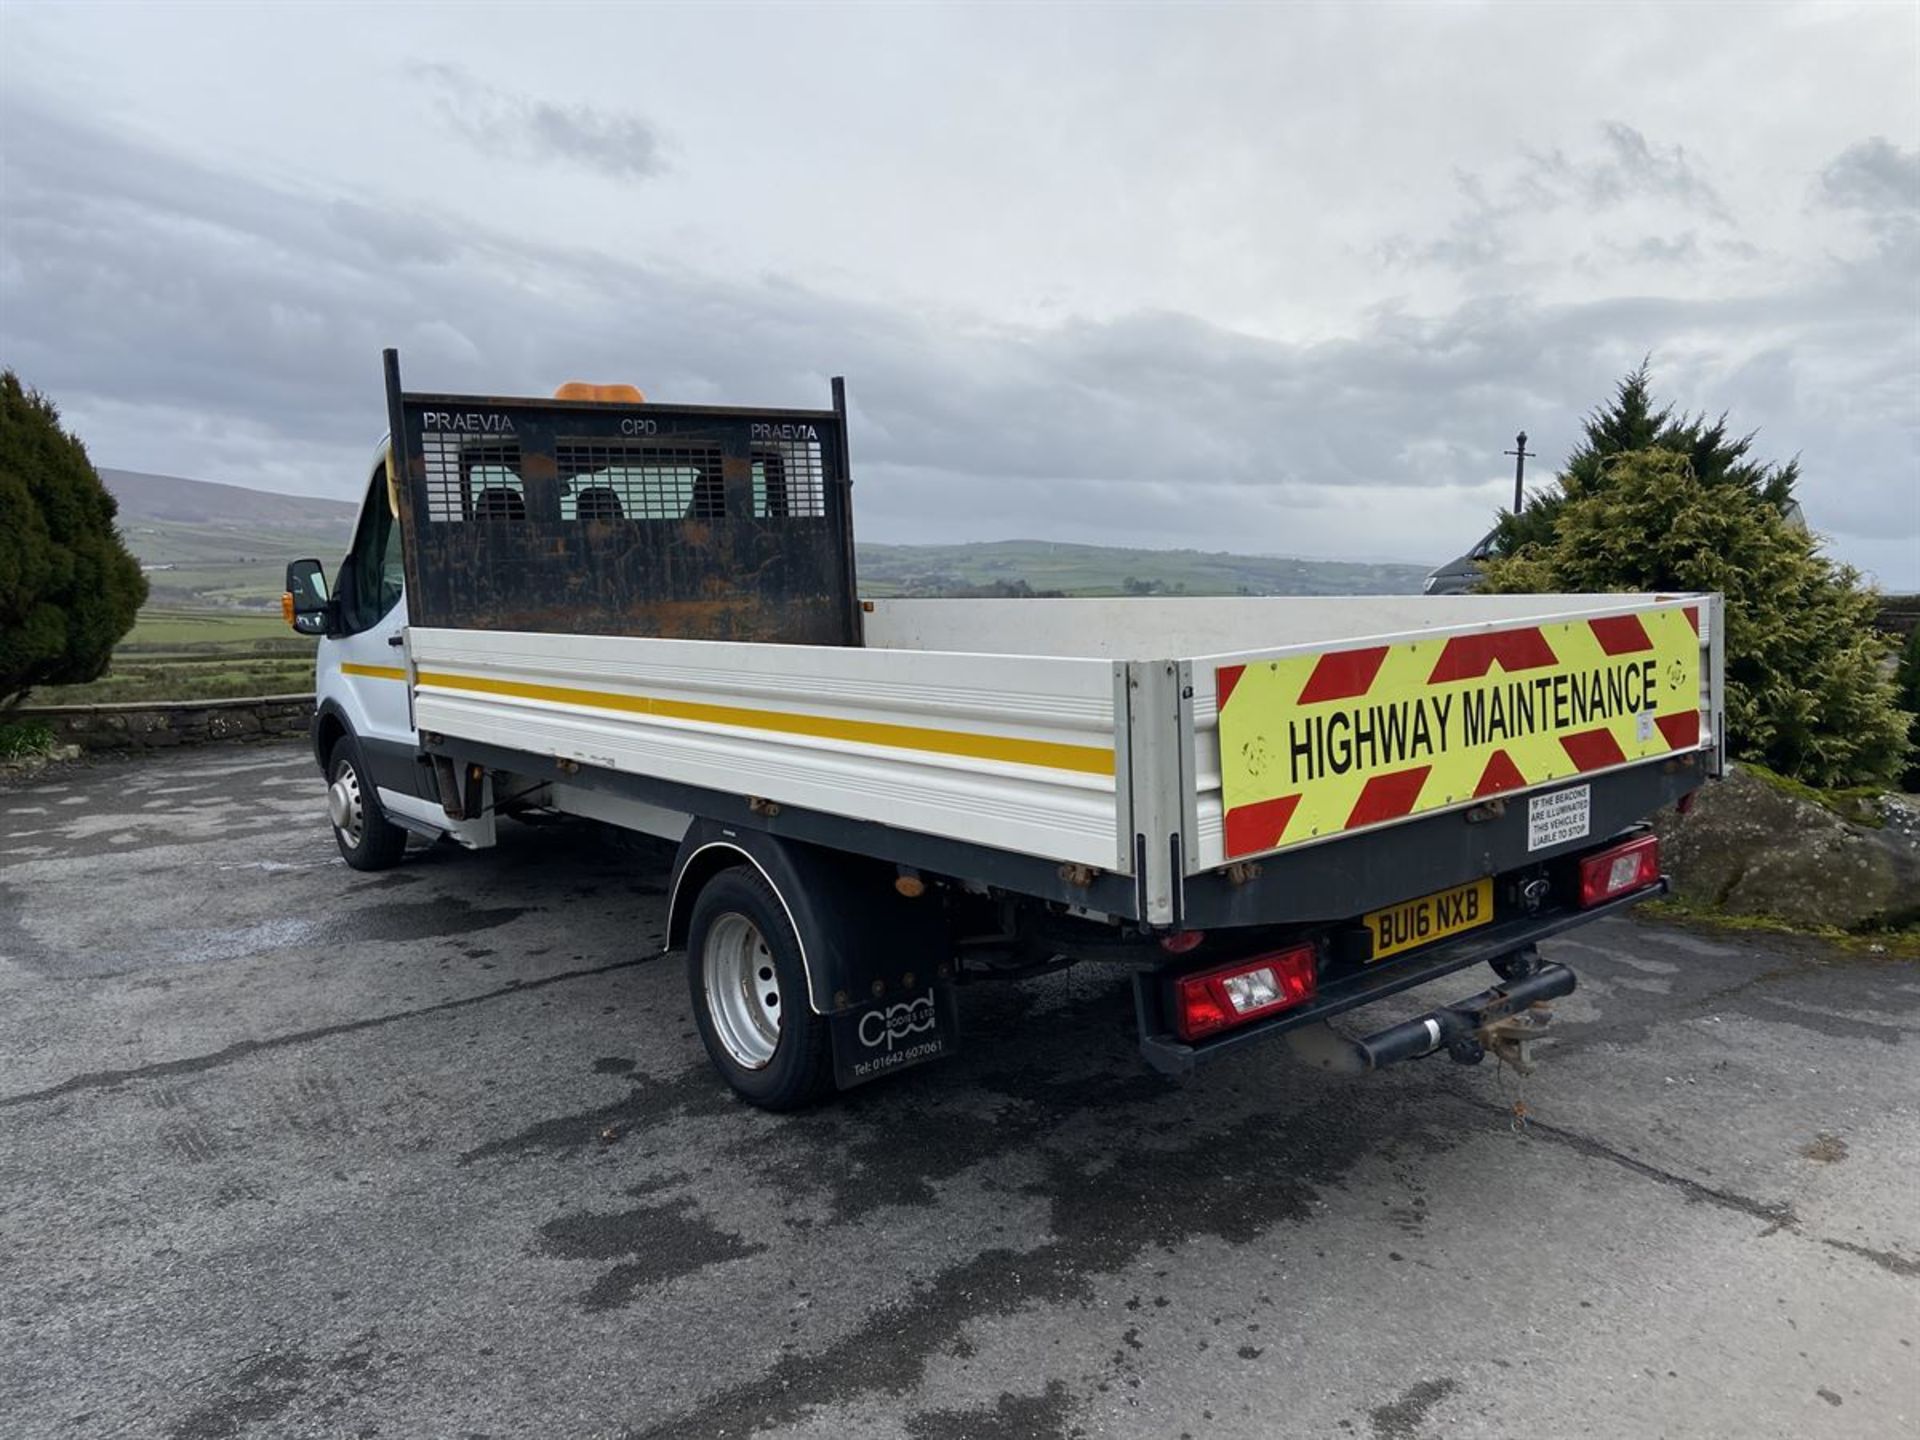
(225, 565)
(197, 655)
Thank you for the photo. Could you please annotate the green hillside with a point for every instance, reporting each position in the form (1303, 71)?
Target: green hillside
(179, 654)
(203, 565)
(1047, 566)
(217, 547)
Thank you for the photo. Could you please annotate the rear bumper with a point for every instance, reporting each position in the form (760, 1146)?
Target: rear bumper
(1166, 1052)
(1330, 883)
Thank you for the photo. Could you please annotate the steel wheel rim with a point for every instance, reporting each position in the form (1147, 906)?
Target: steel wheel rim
(344, 804)
(743, 990)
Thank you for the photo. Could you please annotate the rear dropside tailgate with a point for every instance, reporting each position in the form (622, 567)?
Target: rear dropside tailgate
(1304, 744)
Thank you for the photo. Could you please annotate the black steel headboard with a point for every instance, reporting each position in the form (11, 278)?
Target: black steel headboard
(688, 521)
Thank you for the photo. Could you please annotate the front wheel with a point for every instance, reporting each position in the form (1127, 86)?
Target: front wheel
(749, 991)
(367, 839)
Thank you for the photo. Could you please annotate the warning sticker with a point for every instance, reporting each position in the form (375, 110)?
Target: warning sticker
(1320, 743)
(1559, 817)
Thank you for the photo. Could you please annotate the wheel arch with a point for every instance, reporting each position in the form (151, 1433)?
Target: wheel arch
(697, 865)
(329, 725)
(854, 931)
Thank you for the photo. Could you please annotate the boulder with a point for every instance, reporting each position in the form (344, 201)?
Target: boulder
(1751, 846)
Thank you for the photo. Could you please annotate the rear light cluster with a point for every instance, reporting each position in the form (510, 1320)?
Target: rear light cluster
(1619, 871)
(1243, 990)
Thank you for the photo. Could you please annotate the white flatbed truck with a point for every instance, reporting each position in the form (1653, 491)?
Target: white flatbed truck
(1271, 811)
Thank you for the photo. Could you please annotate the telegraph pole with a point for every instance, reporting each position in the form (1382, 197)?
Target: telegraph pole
(1520, 455)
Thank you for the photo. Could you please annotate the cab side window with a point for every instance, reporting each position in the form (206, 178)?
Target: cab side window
(371, 578)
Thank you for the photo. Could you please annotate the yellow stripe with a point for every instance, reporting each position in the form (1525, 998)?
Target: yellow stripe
(1087, 759)
(376, 672)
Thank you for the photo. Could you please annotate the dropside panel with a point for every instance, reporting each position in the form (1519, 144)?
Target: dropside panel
(1012, 752)
(1161, 627)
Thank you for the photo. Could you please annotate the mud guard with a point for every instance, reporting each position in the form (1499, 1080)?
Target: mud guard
(880, 1039)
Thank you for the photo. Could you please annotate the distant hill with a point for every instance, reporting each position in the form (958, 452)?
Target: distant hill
(224, 546)
(201, 502)
(1045, 565)
(205, 545)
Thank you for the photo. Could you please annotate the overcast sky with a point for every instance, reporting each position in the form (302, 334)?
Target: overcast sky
(1271, 279)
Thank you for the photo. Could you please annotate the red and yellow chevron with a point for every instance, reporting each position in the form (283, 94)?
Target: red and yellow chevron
(1319, 743)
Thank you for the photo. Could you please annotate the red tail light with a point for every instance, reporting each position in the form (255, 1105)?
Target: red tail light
(1243, 990)
(1619, 871)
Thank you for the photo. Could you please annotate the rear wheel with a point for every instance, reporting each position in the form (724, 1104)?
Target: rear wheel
(367, 839)
(749, 991)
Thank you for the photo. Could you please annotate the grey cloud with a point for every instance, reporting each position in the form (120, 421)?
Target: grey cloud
(1629, 166)
(1875, 176)
(1637, 167)
(1880, 183)
(1624, 166)
(1476, 235)
(1681, 249)
(203, 324)
(619, 145)
(391, 239)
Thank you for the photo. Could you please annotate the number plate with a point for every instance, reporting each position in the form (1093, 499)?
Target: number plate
(1431, 917)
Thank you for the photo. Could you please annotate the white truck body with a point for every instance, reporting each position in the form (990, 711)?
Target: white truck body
(1271, 811)
(998, 723)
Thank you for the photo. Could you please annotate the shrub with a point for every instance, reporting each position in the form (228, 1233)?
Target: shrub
(1807, 693)
(68, 587)
(1631, 421)
(1907, 696)
(20, 738)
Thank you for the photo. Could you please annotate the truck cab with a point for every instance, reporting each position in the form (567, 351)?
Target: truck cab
(364, 738)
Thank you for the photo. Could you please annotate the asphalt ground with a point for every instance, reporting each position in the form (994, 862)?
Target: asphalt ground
(287, 1150)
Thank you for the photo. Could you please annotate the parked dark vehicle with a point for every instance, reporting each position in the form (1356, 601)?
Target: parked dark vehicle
(1459, 576)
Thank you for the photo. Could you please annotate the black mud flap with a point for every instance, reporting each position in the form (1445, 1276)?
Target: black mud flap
(893, 1034)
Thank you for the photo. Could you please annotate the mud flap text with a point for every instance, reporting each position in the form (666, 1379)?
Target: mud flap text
(892, 1034)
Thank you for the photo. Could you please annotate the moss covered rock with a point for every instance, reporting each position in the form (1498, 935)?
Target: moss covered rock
(1752, 846)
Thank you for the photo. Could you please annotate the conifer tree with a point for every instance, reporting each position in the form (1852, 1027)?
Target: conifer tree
(68, 588)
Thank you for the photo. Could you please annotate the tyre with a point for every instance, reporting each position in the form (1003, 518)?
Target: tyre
(749, 992)
(367, 839)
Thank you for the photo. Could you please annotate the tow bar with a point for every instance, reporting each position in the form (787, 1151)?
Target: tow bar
(1503, 1020)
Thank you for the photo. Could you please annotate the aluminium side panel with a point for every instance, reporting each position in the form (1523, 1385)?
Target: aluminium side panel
(1012, 752)
(1329, 739)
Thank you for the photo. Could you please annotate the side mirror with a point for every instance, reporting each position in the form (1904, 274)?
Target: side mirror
(306, 604)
